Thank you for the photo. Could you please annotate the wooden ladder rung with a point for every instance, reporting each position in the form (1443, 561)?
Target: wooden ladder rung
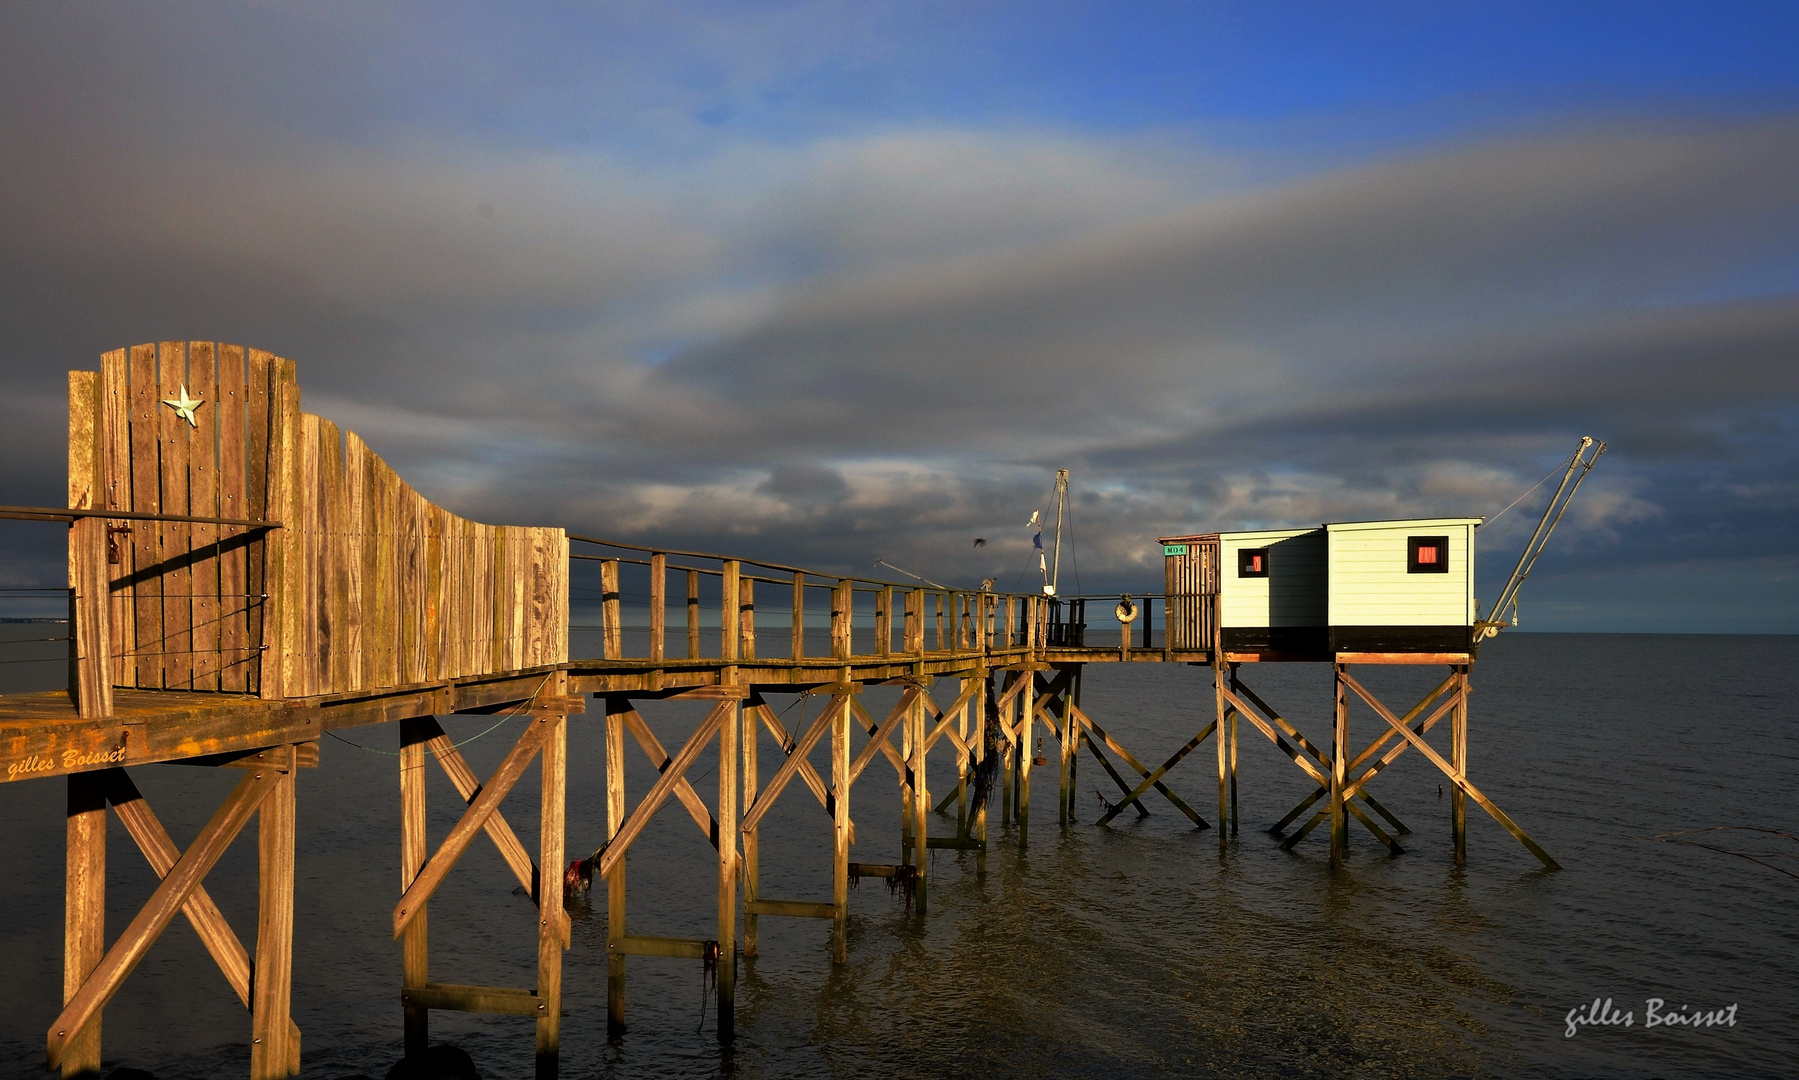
(505, 1000)
(674, 947)
(802, 909)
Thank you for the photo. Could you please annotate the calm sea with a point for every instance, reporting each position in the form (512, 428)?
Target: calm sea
(1133, 950)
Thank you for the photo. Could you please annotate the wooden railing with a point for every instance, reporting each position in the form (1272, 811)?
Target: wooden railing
(822, 617)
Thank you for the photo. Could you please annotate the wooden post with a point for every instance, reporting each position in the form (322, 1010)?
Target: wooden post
(884, 622)
(727, 841)
(1008, 762)
(1233, 719)
(841, 630)
(271, 1057)
(1026, 726)
(658, 605)
(91, 626)
(1458, 757)
(616, 708)
(964, 760)
(414, 850)
(550, 913)
(746, 618)
(940, 642)
(613, 645)
(693, 615)
(915, 622)
(1223, 713)
(798, 648)
(1065, 777)
(840, 825)
(980, 745)
(752, 872)
(730, 616)
(1339, 819)
(921, 794)
(84, 910)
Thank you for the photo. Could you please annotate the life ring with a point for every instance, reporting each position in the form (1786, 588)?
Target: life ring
(1126, 611)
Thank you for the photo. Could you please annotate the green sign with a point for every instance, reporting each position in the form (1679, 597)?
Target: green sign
(1174, 549)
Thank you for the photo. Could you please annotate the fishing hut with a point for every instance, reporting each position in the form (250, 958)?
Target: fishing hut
(243, 578)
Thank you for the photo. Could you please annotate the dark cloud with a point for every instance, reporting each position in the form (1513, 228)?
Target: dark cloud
(881, 344)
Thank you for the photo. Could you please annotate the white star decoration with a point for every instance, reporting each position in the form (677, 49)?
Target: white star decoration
(184, 407)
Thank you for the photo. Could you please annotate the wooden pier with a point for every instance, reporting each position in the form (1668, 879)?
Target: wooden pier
(244, 578)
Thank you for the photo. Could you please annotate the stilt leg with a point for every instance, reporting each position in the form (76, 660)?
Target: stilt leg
(1026, 748)
(1233, 725)
(1458, 756)
(84, 911)
(1339, 818)
(840, 851)
(980, 750)
(550, 913)
(616, 708)
(752, 872)
(1223, 715)
(270, 1055)
(921, 800)
(414, 850)
(727, 874)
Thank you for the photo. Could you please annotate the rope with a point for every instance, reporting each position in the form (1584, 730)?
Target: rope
(516, 711)
(1522, 497)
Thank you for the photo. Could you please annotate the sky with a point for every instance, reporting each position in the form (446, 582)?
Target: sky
(823, 283)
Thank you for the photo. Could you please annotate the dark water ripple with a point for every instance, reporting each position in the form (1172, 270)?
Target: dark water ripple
(1129, 951)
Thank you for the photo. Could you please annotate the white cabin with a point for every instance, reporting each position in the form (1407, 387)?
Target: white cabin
(1401, 586)
(1273, 588)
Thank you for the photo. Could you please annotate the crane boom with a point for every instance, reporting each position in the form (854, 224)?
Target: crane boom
(1580, 463)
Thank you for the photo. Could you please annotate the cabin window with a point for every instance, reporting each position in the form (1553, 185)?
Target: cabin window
(1252, 562)
(1427, 555)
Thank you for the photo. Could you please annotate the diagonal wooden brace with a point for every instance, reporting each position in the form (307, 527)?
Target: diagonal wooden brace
(807, 772)
(877, 739)
(664, 786)
(1150, 780)
(1131, 760)
(1123, 785)
(169, 898)
(1354, 787)
(652, 746)
(473, 820)
(1287, 748)
(791, 767)
(1448, 770)
(457, 769)
(948, 716)
(1323, 759)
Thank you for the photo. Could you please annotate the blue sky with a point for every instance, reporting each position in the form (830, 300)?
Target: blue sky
(828, 282)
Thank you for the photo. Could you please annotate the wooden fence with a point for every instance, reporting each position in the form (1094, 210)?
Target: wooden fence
(320, 572)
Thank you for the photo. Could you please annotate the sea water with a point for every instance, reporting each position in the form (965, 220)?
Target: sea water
(1136, 949)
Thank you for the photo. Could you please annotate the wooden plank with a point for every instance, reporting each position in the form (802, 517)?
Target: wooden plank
(271, 1055)
(797, 645)
(693, 614)
(1142, 788)
(90, 625)
(1401, 658)
(168, 899)
(259, 424)
(235, 655)
(308, 553)
(1131, 760)
(457, 997)
(286, 566)
(725, 971)
(175, 538)
(473, 820)
(749, 745)
(203, 501)
(146, 497)
(115, 441)
(434, 594)
(746, 618)
(669, 947)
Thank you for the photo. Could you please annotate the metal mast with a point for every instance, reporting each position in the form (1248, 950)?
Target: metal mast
(1055, 573)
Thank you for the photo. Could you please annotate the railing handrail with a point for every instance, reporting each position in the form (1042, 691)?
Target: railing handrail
(69, 514)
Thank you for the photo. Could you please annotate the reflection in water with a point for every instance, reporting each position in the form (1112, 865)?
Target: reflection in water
(1133, 950)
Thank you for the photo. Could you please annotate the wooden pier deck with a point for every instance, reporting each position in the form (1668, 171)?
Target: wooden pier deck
(244, 579)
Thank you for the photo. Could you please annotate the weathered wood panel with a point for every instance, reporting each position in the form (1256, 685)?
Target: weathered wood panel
(367, 585)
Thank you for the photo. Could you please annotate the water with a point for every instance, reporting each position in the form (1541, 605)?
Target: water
(1128, 951)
